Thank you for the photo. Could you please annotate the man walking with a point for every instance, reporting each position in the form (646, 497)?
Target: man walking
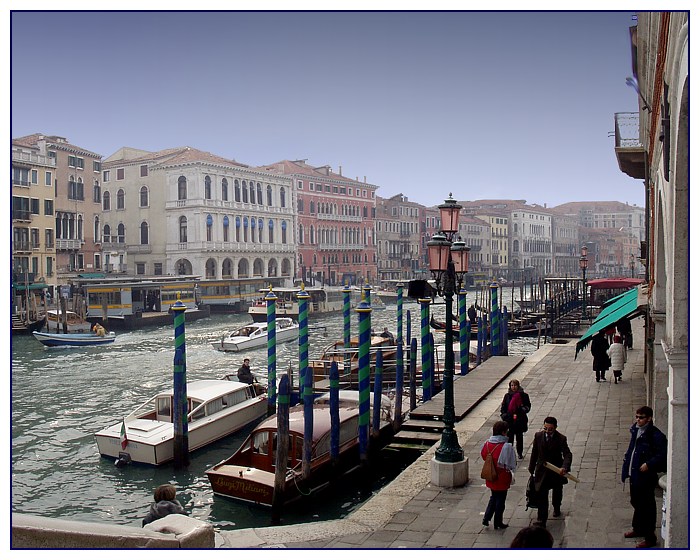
(644, 460)
(549, 446)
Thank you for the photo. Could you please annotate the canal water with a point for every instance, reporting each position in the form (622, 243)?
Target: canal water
(61, 397)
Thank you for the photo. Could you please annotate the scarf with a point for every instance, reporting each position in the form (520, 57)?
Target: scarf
(506, 460)
(516, 401)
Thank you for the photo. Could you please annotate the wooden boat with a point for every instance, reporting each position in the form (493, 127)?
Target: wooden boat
(254, 335)
(73, 339)
(217, 408)
(74, 323)
(249, 474)
(336, 352)
(22, 325)
(321, 300)
(440, 327)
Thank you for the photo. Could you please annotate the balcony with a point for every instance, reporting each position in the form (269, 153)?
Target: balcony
(68, 244)
(628, 149)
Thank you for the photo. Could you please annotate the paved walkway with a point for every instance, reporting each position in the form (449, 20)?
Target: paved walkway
(412, 513)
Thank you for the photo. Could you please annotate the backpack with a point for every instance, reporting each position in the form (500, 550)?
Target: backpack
(531, 495)
(489, 471)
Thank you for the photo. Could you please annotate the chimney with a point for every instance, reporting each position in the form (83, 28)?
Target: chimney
(340, 170)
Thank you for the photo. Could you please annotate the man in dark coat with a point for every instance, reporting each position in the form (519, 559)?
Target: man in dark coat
(549, 446)
(244, 374)
(644, 460)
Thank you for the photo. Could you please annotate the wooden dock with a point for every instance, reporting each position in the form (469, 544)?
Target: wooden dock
(425, 424)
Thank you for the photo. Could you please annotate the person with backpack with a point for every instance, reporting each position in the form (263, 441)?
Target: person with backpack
(499, 464)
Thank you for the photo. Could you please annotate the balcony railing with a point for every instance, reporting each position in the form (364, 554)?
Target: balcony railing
(628, 148)
(68, 244)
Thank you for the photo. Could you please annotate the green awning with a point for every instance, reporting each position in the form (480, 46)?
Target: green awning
(624, 305)
(32, 287)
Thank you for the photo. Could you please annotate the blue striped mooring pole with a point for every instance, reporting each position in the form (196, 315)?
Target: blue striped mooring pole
(181, 451)
(271, 300)
(364, 312)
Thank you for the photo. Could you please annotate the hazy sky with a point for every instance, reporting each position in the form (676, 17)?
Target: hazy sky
(481, 104)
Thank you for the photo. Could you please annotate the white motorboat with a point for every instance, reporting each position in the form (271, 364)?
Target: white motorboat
(74, 339)
(74, 322)
(254, 335)
(217, 408)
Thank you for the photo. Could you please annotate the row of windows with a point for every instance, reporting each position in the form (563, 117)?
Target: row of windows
(24, 207)
(353, 258)
(335, 189)
(332, 209)
(26, 177)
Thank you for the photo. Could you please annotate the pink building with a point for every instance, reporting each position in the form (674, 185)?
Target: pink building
(335, 225)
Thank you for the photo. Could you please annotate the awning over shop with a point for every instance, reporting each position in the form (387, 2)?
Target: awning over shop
(630, 304)
(31, 287)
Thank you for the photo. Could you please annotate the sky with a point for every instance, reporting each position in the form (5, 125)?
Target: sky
(514, 105)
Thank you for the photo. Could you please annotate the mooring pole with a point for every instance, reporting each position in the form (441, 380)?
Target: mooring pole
(180, 439)
(334, 380)
(377, 409)
(399, 312)
(463, 338)
(425, 351)
(282, 446)
(271, 300)
(412, 362)
(305, 383)
(346, 330)
(495, 322)
(398, 404)
(364, 311)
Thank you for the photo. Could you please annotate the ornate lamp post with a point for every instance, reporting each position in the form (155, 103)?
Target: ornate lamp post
(583, 263)
(448, 264)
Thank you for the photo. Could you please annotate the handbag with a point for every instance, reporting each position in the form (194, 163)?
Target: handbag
(531, 494)
(488, 470)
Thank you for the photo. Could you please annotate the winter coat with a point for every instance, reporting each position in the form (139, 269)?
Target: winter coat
(599, 349)
(519, 423)
(556, 452)
(617, 356)
(651, 448)
(161, 509)
(498, 445)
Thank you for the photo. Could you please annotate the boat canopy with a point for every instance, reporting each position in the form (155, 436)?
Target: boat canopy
(613, 283)
(630, 304)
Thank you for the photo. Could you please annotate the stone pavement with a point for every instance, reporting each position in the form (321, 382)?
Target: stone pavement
(410, 512)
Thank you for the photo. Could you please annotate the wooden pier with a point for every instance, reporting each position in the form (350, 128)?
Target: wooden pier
(424, 425)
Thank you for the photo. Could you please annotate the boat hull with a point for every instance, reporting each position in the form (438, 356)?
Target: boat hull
(141, 434)
(54, 340)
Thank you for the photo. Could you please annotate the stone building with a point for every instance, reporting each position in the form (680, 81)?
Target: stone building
(335, 224)
(653, 145)
(399, 226)
(182, 211)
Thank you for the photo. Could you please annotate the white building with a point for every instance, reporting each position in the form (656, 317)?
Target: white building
(183, 211)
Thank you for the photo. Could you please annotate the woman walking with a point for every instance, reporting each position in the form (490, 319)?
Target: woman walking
(617, 357)
(601, 360)
(504, 457)
(514, 409)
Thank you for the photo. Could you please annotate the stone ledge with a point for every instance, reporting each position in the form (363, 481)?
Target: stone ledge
(173, 531)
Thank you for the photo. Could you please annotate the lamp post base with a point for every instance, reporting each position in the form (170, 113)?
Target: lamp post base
(449, 475)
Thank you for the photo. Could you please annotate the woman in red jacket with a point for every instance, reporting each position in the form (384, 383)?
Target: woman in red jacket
(504, 457)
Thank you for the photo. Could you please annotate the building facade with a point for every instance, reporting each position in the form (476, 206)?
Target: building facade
(399, 226)
(659, 154)
(335, 224)
(183, 211)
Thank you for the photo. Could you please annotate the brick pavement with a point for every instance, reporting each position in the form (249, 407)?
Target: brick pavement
(412, 513)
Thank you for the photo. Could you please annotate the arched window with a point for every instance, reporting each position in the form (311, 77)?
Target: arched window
(183, 229)
(252, 192)
(106, 234)
(210, 226)
(207, 187)
(269, 195)
(210, 268)
(271, 232)
(283, 202)
(96, 192)
(120, 199)
(301, 234)
(259, 190)
(121, 233)
(284, 231)
(237, 190)
(226, 223)
(245, 229)
(181, 188)
(227, 269)
(312, 236)
(224, 189)
(96, 230)
(312, 207)
(245, 191)
(144, 233)
(238, 229)
(253, 223)
(143, 197)
(105, 201)
(80, 227)
(300, 205)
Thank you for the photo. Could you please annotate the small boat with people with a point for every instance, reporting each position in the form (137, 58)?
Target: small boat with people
(74, 339)
(216, 408)
(249, 474)
(254, 335)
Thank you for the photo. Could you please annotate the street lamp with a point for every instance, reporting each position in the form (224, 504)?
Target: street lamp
(448, 265)
(583, 263)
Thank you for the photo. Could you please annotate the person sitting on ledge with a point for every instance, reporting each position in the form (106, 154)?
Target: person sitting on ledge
(164, 504)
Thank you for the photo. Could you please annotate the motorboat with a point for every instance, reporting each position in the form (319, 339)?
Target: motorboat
(249, 474)
(254, 335)
(74, 339)
(217, 408)
(74, 322)
(337, 352)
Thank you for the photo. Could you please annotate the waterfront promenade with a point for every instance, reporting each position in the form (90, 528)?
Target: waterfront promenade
(410, 512)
